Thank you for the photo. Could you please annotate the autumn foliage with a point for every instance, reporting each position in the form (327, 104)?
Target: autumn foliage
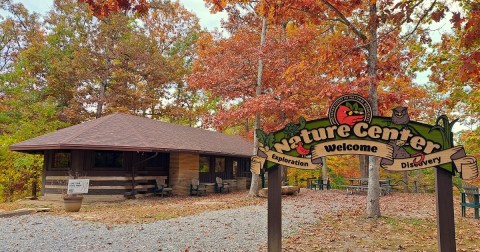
(104, 8)
(88, 58)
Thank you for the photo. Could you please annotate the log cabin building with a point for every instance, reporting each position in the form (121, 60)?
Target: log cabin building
(122, 155)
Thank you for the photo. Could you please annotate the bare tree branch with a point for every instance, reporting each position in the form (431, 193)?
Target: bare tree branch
(346, 21)
(425, 14)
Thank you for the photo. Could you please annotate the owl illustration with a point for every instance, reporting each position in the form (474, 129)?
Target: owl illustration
(400, 116)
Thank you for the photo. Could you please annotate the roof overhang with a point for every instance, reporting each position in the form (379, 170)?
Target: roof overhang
(39, 149)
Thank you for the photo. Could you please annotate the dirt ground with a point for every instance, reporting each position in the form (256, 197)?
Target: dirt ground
(408, 221)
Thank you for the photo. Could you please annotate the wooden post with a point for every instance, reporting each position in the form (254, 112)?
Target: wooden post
(445, 217)
(275, 209)
(46, 161)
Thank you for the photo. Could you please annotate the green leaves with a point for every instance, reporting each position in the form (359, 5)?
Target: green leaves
(354, 107)
(266, 140)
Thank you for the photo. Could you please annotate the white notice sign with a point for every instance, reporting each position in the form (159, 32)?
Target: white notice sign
(77, 186)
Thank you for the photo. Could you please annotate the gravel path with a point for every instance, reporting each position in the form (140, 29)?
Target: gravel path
(243, 229)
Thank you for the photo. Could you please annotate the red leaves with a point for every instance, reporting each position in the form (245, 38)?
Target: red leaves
(438, 15)
(103, 8)
(457, 20)
(472, 28)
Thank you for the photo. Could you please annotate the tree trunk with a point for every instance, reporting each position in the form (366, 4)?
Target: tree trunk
(373, 197)
(101, 96)
(255, 178)
(363, 166)
(324, 170)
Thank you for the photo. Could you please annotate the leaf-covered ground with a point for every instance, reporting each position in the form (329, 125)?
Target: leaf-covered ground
(144, 210)
(408, 222)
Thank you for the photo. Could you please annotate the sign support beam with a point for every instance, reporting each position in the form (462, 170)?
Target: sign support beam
(275, 209)
(445, 216)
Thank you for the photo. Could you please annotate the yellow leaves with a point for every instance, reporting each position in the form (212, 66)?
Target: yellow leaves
(291, 28)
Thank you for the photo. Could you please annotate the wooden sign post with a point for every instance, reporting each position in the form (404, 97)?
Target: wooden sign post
(275, 209)
(445, 217)
(351, 129)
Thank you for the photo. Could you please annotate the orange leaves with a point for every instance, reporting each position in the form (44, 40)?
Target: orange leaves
(218, 5)
(456, 64)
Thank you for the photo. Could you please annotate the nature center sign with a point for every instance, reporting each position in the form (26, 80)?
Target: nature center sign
(351, 129)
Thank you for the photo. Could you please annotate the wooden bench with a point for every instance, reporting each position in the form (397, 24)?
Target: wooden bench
(470, 198)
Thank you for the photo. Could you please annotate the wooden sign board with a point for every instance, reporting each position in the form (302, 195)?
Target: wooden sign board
(402, 144)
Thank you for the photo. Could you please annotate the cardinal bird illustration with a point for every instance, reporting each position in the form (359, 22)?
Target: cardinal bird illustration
(301, 150)
(346, 116)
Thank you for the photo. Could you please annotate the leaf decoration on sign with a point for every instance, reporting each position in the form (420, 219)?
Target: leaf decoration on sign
(446, 129)
(291, 129)
(266, 140)
(349, 105)
(261, 136)
(270, 140)
(355, 107)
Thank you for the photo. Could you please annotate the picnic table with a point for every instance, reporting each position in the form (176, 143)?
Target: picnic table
(314, 183)
(361, 184)
(310, 182)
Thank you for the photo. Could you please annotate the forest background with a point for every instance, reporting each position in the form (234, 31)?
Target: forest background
(153, 59)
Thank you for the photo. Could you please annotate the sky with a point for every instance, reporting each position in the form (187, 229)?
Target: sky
(207, 20)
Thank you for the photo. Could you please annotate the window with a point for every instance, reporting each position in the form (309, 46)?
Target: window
(244, 168)
(61, 160)
(219, 164)
(109, 159)
(204, 164)
(161, 160)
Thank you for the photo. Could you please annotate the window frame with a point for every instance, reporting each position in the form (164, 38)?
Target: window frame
(207, 159)
(224, 168)
(53, 166)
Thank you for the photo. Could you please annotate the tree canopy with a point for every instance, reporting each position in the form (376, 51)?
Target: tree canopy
(88, 58)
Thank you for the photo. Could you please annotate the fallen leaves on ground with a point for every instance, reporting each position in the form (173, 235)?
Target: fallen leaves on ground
(144, 210)
(408, 221)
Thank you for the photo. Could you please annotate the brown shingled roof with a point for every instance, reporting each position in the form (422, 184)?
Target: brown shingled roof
(132, 133)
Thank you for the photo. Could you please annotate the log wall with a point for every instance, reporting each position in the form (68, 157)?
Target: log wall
(179, 169)
(55, 186)
(183, 168)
